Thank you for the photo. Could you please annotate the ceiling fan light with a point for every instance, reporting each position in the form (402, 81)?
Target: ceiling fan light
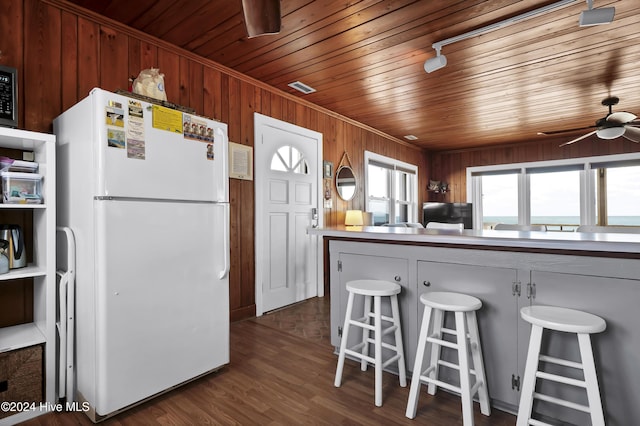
(434, 64)
(611, 132)
(621, 117)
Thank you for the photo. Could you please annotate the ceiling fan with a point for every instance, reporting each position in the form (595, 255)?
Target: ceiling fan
(613, 125)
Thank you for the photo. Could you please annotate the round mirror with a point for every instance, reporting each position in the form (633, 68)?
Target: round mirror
(346, 183)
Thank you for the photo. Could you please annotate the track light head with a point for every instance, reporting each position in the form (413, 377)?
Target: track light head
(603, 15)
(434, 64)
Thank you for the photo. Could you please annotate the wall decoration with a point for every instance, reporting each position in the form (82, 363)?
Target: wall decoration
(327, 169)
(240, 161)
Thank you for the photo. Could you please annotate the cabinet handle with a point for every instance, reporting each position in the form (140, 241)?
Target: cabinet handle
(426, 283)
(398, 278)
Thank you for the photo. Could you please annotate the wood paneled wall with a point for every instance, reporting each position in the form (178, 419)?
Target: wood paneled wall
(451, 166)
(62, 52)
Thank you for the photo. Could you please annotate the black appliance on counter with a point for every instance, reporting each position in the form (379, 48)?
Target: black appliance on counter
(448, 213)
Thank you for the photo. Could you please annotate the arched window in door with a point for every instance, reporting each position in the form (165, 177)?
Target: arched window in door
(289, 159)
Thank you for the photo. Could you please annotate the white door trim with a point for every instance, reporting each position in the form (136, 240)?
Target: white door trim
(261, 121)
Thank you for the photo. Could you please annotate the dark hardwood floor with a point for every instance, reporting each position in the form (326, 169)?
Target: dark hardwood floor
(281, 373)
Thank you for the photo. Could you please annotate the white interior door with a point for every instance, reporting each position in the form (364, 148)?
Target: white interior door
(287, 203)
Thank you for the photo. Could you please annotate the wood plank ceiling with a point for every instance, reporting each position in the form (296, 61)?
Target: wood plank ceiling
(365, 59)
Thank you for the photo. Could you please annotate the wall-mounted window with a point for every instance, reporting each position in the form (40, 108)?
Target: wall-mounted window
(561, 194)
(289, 159)
(391, 189)
(619, 191)
(500, 198)
(555, 198)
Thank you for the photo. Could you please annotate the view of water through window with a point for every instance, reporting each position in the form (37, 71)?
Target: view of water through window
(555, 198)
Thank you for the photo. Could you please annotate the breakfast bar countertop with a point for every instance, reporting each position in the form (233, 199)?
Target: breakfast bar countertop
(596, 244)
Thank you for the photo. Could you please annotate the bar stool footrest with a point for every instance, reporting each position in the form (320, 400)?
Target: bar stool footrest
(438, 341)
(475, 387)
(562, 402)
(391, 360)
(359, 355)
(383, 344)
(372, 316)
(561, 379)
(449, 365)
(534, 422)
(441, 384)
(362, 324)
(560, 361)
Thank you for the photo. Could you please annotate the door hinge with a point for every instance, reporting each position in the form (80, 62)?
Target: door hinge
(515, 288)
(515, 382)
(339, 265)
(531, 290)
(339, 331)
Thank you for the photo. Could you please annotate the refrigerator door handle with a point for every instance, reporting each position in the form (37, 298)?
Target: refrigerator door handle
(226, 241)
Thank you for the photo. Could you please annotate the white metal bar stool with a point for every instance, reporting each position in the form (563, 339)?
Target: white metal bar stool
(375, 289)
(467, 339)
(571, 321)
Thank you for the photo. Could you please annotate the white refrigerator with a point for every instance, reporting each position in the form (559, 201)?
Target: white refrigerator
(144, 189)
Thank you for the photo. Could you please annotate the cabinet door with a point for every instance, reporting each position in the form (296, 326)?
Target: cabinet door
(352, 266)
(615, 350)
(496, 319)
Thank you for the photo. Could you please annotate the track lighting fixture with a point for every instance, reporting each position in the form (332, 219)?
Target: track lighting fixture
(434, 64)
(603, 15)
(588, 17)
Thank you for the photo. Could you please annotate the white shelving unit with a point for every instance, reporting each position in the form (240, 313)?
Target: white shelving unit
(43, 268)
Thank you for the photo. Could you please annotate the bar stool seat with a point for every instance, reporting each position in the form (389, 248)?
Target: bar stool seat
(554, 318)
(373, 289)
(467, 338)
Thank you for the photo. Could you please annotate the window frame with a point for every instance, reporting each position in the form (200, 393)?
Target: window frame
(394, 166)
(587, 166)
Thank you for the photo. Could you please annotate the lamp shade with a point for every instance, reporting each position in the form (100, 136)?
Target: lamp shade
(611, 132)
(353, 218)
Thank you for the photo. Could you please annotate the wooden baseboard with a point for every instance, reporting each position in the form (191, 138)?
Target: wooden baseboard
(243, 313)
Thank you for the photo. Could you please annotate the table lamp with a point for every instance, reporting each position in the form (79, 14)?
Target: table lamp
(353, 218)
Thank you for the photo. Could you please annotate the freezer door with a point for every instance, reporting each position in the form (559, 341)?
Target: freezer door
(145, 151)
(162, 308)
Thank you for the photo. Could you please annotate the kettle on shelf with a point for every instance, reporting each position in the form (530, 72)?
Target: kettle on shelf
(15, 252)
(4, 256)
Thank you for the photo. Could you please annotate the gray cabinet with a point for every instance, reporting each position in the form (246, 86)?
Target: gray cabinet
(347, 266)
(497, 289)
(506, 281)
(615, 350)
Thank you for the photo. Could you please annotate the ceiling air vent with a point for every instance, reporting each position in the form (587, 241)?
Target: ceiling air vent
(302, 87)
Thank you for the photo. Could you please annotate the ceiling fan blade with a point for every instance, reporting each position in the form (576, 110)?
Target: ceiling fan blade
(261, 17)
(632, 133)
(579, 138)
(557, 132)
(620, 117)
